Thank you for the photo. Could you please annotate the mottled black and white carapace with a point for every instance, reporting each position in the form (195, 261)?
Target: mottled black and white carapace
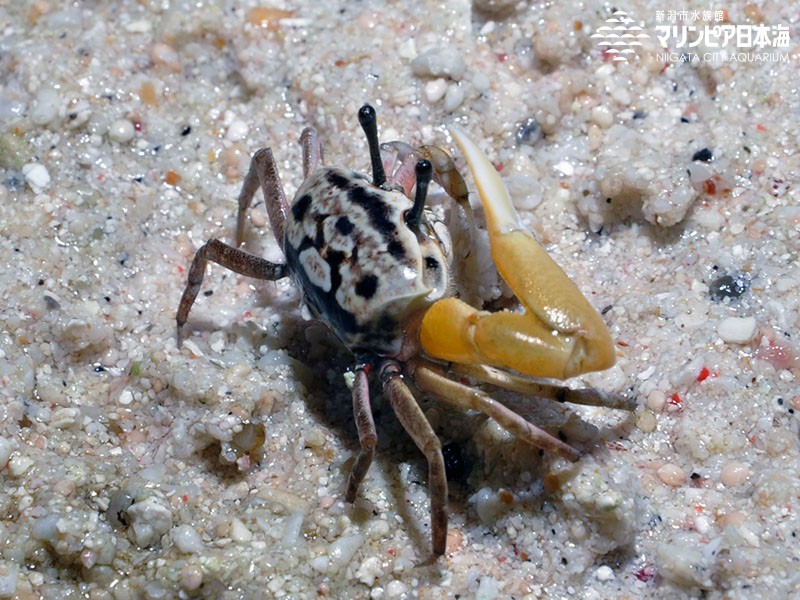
(360, 266)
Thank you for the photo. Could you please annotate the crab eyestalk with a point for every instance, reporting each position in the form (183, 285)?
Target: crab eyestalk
(424, 173)
(369, 123)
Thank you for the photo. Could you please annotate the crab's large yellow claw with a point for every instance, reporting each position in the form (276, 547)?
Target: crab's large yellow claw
(559, 335)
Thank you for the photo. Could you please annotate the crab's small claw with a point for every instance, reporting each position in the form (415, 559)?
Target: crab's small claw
(447, 176)
(559, 335)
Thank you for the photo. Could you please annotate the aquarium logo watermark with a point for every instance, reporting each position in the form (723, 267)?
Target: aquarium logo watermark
(705, 36)
(693, 36)
(620, 37)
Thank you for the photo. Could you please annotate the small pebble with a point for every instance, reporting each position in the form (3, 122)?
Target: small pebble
(320, 563)
(259, 218)
(731, 519)
(148, 93)
(602, 116)
(118, 506)
(656, 401)
(396, 589)
(704, 155)
(121, 131)
(737, 330)
(488, 589)
(293, 530)
(191, 577)
(88, 558)
(126, 397)
(435, 90)
(139, 26)
(702, 524)
(608, 501)
(19, 464)
(481, 82)
(700, 172)
(78, 111)
(604, 573)
(727, 286)
(66, 487)
(453, 98)
(487, 505)
(565, 168)
(647, 373)
(149, 520)
(14, 182)
(9, 572)
(45, 106)
(734, 473)
(165, 55)
(378, 529)
(455, 539)
(267, 16)
(237, 131)
(646, 421)
(6, 448)
(315, 438)
(528, 132)
(249, 439)
(671, 475)
(37, 176)
(187, 539)
(239, 531)
(369, 571)
(341, 551)
(439, 62)
(45, 527)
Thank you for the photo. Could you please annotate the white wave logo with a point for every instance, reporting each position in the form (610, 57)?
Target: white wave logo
(620, 37)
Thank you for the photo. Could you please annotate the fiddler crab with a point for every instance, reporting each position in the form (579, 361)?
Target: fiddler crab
(373, 264)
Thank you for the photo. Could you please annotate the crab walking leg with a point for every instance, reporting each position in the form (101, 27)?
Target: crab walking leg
(263, 172)
(367, 436)
(229, 257)
(559, 335)
(542, 389)
(312, 150)
(416, 424)
(434, 381)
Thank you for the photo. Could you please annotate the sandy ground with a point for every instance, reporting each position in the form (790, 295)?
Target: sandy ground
(665, 185)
